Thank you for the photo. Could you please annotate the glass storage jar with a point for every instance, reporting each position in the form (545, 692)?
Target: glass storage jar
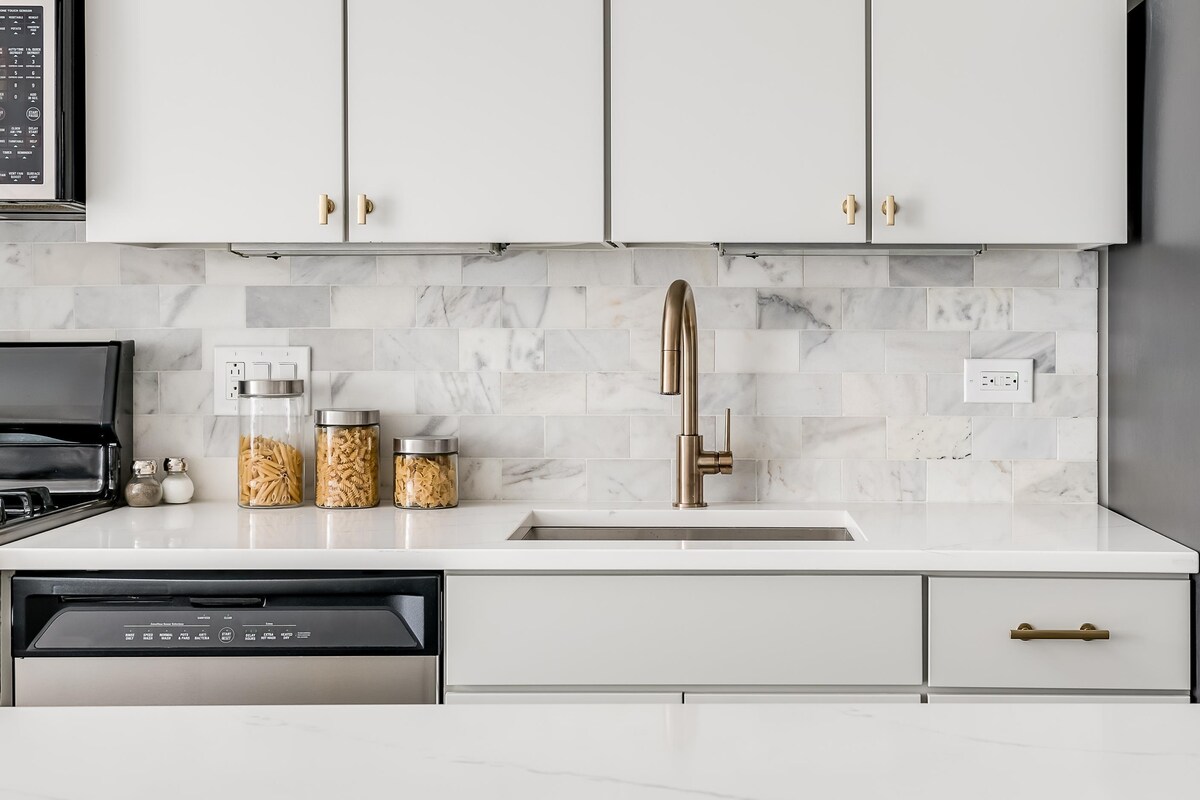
(347, 455)
(270, 460)
(426, 471)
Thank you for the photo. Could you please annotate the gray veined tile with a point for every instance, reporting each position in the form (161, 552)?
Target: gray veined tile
(844, 437)
(1079, 270)
(846, 271)
(624, 307)
(1055, 310)
(185, 392)
(37, 231)
(592, 350)
(342, 270)
(223, 268)
(1004, 344)
(1078, 439)
(791, 480)
(502, 349)
(945, 399)
(1016, 268)
(1078, 353)
(841, 351)
(882, 395)
(479, 479)
(544, 307)
(159, 265)
(799, 395)
(544, 479)
(419, 270)
(739, 487)
(16, 265)
(71, 264)
(116, 307)
(340, 349)
(806, 309)
(158, 435)
(287, 306)
(931, 270)
(757, 351)
(502, 437)
(884, 309)
(760, 271)
(458, 392)
(515, 268)
(697, 266)
(459, 307)
(884, 481)
(970, 309)
(145, 392)
(757, 438)
(911, 438)
(628, 480)
(372, 306)
(655, 436)
(589, 437)
(970, 482)
(726, 308)
(1006, 438)
(626, 393)
(51, 307)
(417, 349)
(1054, 482)
(927, 351)
(543, 393)
(589, 267)
(1062, 396)
(186, 306)
(389, 392)
(163, 349)
(734, 391)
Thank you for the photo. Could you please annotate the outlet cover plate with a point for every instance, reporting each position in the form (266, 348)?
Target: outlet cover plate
(258, 362)
(998, 380)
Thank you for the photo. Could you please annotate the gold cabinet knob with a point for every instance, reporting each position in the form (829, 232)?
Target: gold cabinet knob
(889, 209)
(849, 206)
(365, 206)
(325, 207)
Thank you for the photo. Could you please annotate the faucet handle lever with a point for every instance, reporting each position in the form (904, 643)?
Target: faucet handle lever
(728, 447)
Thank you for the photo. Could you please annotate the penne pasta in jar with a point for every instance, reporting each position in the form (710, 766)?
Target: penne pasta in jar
(270, 461)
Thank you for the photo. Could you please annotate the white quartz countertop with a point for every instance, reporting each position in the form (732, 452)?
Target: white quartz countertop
(475, 537)
(630, 752)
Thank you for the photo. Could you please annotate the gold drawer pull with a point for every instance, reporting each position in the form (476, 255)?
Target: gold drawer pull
(1087, 632)
(889, 210)
(325, 207)
(365, 206)
(849, 206)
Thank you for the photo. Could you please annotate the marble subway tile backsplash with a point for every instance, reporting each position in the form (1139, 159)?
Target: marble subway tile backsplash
(843, 372)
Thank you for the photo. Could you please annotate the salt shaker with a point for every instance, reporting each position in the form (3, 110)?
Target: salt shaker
(144, 490)
(177, 487)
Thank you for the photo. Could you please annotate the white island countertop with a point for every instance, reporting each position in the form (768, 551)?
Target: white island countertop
(631, 752)
(928, 538)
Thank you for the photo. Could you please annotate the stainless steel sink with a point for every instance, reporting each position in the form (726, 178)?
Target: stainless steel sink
(553, 533)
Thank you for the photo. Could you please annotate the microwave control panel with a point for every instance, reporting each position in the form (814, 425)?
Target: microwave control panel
(23, 90)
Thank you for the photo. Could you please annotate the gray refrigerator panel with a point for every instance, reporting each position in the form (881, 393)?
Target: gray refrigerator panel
(1154, 288)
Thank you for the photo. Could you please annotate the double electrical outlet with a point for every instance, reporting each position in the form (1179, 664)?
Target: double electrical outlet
(998, 380)
(233, 364)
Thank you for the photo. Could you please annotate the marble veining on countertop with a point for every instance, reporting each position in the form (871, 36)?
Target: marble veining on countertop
(913, 537)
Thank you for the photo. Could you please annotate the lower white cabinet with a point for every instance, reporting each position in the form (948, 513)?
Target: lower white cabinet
(564, 698)
(1058, 698)
(792, 697)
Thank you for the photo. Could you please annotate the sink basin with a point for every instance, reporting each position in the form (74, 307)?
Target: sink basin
(569, 533)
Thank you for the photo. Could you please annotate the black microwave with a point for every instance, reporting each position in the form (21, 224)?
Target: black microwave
(41, 109)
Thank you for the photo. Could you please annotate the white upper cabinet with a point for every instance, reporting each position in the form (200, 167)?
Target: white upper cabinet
(476, 120)
(737, 120)
(999, 121)
(214, 122)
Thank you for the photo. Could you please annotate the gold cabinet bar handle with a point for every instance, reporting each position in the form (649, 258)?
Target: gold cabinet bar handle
(365, 207)
(324, 209)
(889, 209)
(849, 206)
(1087, 632)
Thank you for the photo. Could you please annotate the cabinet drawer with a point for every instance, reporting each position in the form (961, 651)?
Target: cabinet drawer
(563, 698)
(1143, 699)
(970, 644)
(714, 698)
(677, 630)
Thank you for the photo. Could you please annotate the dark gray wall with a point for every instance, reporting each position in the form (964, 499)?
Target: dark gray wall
(1154, 287)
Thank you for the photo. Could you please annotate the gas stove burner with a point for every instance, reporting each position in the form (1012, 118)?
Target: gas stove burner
(24, 503)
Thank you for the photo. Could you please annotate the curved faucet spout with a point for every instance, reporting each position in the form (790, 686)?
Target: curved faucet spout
(680, 367)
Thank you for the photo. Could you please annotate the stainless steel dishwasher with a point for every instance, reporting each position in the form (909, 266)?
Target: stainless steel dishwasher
(94, 638)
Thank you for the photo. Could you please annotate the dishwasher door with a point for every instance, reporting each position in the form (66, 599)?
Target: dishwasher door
(91, 639)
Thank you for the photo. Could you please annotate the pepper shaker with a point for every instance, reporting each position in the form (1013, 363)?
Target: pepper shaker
(144, 490)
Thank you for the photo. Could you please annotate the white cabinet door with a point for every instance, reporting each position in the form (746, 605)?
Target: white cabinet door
(562, 698)
(476, 120)
(213, 122)
(790, 697)
(999, 121)
(1059, 698)
(737, 120)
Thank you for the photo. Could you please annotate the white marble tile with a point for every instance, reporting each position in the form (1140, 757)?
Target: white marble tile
(588, 437)
(1062, 396)
(394, 425)
(186, 306)
(801, 309)
(1055, 310)
(1078, 439)
(846, 271)
(545, 307)
(789, 480)
(501, 349)
(320, 389)
(884, 309)
(697, 266)
(419, 270)
(185, 392)
(419, 349)
(927, 351)
(457, 392)
(589, 267)
(931, 270)
(764, 437)
(882, 395)
(46, 307)
(1005, 438)
(211, 477)
(71, 264)
(28, 230)
(799, 395)
(945, 396)
(159, 436)
(223, 268)
(645, 350)
(726, 308)
(372, 306)
(1054, 482)
(221, 436)
(1017, 268)
(342, 269)
(14, 336)
(591, 350)
(1004, 344)
(151, 265)
(1079, 270)
(240, 337)
(459, 307)
(841, 351)
(502, 437)
(337, 349)
(741, 486)
(970, 309)
(844, 437)
(1077, 353)
(966, 481)
(287, 306)
(757, 351)
(115, 306)
(624, 307)
(515, 268)
(654, 437)
(387, 392)
(626, 393)
(628, 480)
(162, 349)
(884, 481)
(911, 438)
(543, 479)
(145, 392)
(16, 265)
(760, 271)
(479, 479)
(732, 390)
(543, 393)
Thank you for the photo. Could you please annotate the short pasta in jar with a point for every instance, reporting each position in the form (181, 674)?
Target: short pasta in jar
(426, 472)
(347, 458)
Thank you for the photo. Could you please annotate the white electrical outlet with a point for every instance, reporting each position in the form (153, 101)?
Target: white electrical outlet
(233, 364)
(998, 380)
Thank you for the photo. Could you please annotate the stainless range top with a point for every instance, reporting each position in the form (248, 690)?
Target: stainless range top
(30, 510)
